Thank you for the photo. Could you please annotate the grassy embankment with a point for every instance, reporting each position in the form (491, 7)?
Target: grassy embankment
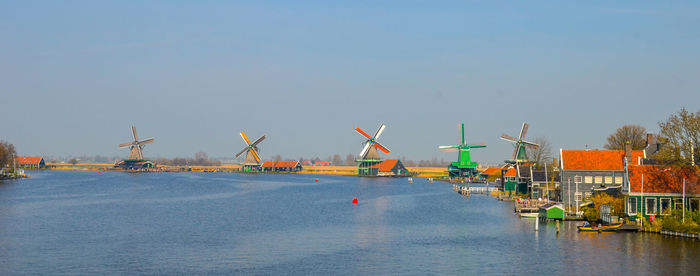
(335, 170)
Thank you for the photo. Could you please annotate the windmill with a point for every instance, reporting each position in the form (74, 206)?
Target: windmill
(369, 151)
(135, 160)
(519, 154)
(369, 156)
(252, 158)
(519, 157)
(464, 167)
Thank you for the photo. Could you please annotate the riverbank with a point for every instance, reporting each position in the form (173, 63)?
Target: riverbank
(328, 170)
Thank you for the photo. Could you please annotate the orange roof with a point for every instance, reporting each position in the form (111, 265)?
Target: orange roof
(510, 172)
(386, 165)
(317, 163)
(280, 164)
(597, 160)
(663, 179)
(28, 160)
(491, 171)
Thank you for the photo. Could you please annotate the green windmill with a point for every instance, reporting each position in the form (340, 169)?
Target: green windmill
(464, 167)
(519, 184)
(519, 154)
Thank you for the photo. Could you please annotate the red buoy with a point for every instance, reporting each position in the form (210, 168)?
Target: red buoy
(99, 172)
(316, 179)
(354, 200)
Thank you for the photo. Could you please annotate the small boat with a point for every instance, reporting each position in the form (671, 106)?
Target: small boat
(529, 215)
(604, 228)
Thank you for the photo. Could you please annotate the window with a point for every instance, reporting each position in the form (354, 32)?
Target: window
(678, 203)
(587, 195)
(588, 179)
(694, 204)
(632, 206)
(608, 180)
(618, 180)
(651, 206)
(598, 180)
(665, 207)
(577, 196)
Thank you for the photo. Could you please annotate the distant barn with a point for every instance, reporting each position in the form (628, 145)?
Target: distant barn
(389, 167)
(281, 166)
(30, 162)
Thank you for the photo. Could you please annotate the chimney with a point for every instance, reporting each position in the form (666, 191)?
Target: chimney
(650, 139)
(628, 152)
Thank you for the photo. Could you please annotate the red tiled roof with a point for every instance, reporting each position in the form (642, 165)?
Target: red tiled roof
(663, 179)
(491, 171)
(386, 165)
(597, 160)
(510, 173)
(322, 163)
(28, 160)
(280, 164)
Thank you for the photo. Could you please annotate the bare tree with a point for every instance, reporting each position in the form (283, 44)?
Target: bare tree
(7, 152)
(680, 132)
(541, 154)
(634, 134)
(337, 160)
(350, 159)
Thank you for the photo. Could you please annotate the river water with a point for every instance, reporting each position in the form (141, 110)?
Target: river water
(89, 223)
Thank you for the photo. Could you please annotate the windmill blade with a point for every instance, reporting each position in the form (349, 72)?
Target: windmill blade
(448, 148)
(515, 152)
(257, 141)
(379, 131)
(523, 131)
(477, 145)
(126, 144)
(531, 144)
(509, 138)
(382, 148)
(245, 138)
(255, 154)
(133, 131)
(147, 141)
(461, 127)
(365, 149)
(140, 151)
(363, 133)
(242, 151)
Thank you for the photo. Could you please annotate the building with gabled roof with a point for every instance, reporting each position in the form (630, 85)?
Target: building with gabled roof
(581, 171)
(389, 167)
(30, 162)
(655, 190)
(281, 166)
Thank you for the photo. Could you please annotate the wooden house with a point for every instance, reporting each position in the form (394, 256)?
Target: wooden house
(30, 162)
(281, 166)
(582, 171)
(655, 190)
(389, 167)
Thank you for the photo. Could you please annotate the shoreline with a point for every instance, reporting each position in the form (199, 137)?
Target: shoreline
(231, 168)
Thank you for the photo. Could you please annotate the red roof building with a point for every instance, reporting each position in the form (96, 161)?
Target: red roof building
(582, 171)
(30, 162)
(281, 166)
(598, 160)
(390, 167)
(656, 190)
(322, 163)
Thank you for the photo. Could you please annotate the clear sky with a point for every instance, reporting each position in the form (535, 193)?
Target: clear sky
(75, 75)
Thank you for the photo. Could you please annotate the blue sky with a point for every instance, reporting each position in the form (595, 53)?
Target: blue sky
(75, 75)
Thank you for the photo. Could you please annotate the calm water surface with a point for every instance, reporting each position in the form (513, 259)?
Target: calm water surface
(191, 223)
